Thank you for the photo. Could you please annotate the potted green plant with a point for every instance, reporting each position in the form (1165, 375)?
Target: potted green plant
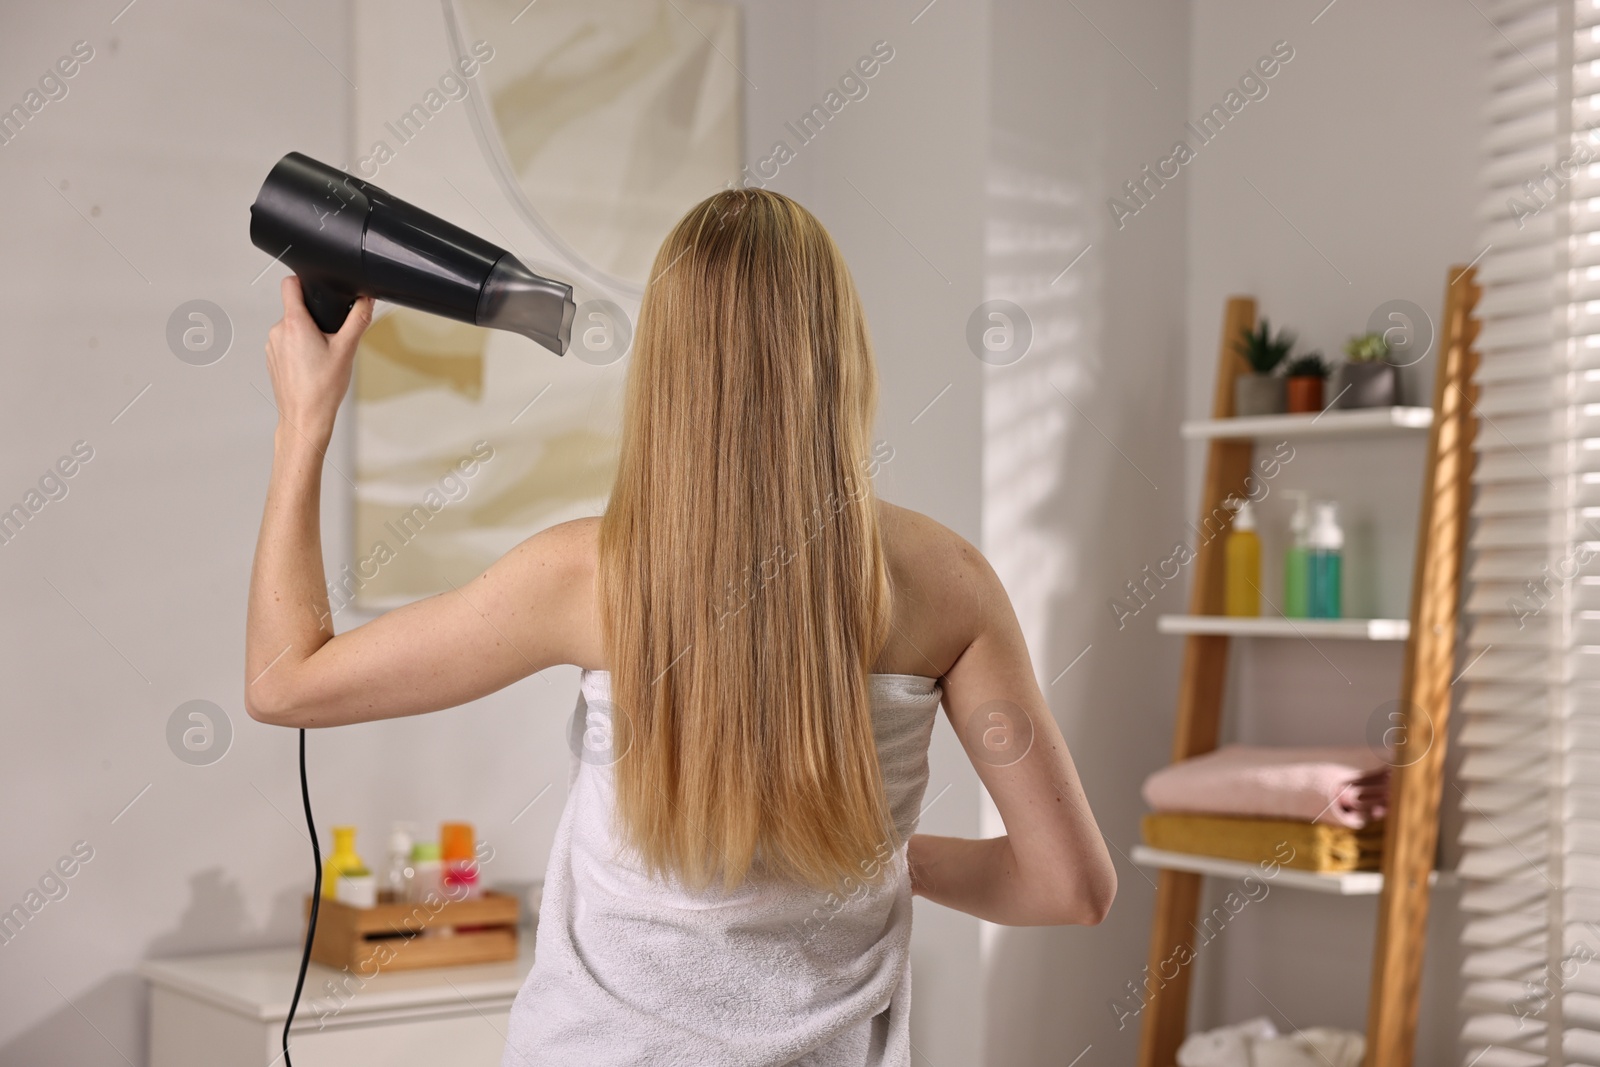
(1261, 392)
(1367, 379)
(1303, 378)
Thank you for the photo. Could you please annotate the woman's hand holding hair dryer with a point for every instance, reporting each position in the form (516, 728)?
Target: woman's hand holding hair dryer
(310, 369)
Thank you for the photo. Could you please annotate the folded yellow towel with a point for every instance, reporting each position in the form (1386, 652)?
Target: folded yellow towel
(1315, 846)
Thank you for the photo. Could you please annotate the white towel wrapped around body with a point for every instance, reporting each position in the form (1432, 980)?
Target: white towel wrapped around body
(629, 969)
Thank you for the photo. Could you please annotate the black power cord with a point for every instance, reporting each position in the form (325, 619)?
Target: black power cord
(316, 899)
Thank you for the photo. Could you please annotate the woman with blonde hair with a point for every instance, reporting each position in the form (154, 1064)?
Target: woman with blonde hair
(764, 645)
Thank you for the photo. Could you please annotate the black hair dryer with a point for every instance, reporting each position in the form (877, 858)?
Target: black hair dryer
(347, 238)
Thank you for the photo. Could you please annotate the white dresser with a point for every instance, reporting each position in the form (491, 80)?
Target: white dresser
(229, 1009)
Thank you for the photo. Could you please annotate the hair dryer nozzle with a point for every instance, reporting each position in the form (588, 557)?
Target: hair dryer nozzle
(516, 299)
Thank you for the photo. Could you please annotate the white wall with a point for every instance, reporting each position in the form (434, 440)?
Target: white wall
(1083, 482)
(1364, 153)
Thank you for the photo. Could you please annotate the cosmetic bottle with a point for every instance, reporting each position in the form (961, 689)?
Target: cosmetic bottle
(398, 871)
(424, 879)
(357, 888)
(342, 859)
(460, 874)
(1242, 563)
(1297, 558)
(1326, 562)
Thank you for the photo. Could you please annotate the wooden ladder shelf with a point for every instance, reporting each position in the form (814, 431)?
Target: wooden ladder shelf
(1412, 824)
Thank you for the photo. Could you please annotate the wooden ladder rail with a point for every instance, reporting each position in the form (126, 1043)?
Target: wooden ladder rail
(1411, 833)
(1205, 666)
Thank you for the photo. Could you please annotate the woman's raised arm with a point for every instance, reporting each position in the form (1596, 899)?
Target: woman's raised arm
(510, 622)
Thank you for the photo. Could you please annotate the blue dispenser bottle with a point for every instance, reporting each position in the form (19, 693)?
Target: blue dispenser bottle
(1326, 562)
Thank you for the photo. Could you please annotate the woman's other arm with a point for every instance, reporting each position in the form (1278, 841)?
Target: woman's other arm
(1051, 867)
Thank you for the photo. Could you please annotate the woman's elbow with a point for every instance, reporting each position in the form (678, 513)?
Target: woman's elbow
(1066, 900)
(1090, 900)
(1098, 898)
(270, 705)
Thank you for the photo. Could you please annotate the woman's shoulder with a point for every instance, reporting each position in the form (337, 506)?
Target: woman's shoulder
(920, 539)
(572, 546)
(927, 554)
(941, 585)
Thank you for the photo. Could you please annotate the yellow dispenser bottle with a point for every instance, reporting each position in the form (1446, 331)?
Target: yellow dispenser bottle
(342, 859)
(1242, 564)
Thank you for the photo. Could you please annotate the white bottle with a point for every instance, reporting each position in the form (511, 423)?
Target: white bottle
(397, 874)
(357, 888)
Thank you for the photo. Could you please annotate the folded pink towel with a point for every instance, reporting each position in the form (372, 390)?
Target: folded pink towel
(1343, 786)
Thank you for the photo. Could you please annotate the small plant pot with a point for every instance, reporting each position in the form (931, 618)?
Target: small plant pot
(1368, 385)
(1258, 394)
(1305, 394)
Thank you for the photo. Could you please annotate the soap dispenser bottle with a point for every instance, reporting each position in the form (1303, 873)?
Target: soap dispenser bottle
(1326, 562)
(1297, 558)
(1242, 563)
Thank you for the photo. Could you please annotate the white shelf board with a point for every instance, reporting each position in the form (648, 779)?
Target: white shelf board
(1338, 883)
(1277, 626)
(1334, 422)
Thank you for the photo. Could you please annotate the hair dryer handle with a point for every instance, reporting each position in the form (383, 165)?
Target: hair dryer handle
(328, 306)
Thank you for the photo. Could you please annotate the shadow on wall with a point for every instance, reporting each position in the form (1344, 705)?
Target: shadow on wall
(214, 920)
(1079, 484)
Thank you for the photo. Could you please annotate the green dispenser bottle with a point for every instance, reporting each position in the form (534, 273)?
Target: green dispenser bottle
(1297, 558)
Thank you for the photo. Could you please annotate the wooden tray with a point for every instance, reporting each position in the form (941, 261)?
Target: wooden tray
(404, 936)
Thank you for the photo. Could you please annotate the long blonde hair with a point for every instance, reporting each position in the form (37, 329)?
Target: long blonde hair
(742, 580)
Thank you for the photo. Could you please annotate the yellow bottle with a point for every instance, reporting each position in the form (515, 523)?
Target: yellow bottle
(1242, 565)
(342, 859)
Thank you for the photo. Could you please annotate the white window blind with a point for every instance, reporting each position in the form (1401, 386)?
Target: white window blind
(1530, 697)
